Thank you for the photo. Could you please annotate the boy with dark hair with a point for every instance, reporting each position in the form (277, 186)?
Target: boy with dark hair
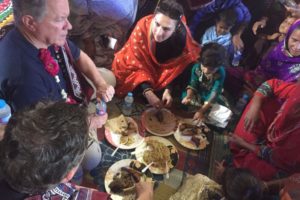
(220, 32)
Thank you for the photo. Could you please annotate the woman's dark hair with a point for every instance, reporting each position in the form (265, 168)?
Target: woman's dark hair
(42, 144)
(213, 55)
(228, 17)
(170, 8)
(241, 184)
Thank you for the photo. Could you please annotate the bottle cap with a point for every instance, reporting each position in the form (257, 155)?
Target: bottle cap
(130, 94)
(2, 103)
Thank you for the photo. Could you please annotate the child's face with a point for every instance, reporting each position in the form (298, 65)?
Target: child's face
(285, 25)
(222, 28)
(208, 70)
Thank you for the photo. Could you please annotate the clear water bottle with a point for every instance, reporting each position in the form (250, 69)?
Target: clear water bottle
(128, 104)
(5, 112)
(241, 103)
(101, 107)
(236, 58)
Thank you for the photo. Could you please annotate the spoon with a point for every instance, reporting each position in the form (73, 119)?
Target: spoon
(147, 167)
(114, 152)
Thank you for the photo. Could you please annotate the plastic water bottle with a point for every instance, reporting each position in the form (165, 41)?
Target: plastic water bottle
(101, 107)
(241, 103)
(5, 112)
(128, 104)
(236, 58)
(289, 3)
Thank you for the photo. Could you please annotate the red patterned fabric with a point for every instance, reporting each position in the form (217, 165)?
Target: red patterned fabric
(135, 63)
(278, 128)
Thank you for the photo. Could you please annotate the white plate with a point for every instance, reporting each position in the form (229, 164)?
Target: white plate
(114, 138)
(153, 126)
(139, 153)
(114, 169)
(186, 140)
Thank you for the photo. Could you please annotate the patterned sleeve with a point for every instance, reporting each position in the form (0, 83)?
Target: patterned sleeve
(217, 86)
(276, 87)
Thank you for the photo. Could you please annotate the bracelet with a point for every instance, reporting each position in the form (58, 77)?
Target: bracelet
(146, 90)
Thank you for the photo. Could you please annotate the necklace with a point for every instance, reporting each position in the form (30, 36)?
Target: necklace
(52, 67)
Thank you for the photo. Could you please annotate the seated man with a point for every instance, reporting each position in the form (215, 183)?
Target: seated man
(42, 150)
(39, 63)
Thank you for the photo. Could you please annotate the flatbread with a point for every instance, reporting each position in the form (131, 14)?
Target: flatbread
(118, 124)
(157, 127)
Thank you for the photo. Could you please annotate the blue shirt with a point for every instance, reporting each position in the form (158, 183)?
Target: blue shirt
(23, 78)
(210, 35)
(215, 6)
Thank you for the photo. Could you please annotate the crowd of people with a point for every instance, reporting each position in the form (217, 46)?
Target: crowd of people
(48, 81)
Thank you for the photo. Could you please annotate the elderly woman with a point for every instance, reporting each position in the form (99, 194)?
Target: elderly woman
(281, 63)
(267, 137)
(159, 49)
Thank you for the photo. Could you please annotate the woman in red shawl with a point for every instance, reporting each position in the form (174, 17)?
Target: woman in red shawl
(267, 137)
(159, 49)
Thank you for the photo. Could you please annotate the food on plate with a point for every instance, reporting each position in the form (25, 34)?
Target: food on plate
(190, 129)
(159, 116)
(160, 122)
(125, 126)
(159, 155)
(194, 135)
(125, 180)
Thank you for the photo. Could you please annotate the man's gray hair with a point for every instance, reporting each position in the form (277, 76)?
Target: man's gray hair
(35, 8)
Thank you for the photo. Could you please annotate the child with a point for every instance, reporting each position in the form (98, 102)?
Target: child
(207, 79)
(220, 32)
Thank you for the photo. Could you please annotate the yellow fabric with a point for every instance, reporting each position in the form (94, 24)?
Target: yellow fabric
(197, 187)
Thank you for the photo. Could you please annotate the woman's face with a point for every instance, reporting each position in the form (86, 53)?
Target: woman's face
(294, 43)
(162, 27)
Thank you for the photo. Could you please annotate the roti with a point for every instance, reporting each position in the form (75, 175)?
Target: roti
(159, 122)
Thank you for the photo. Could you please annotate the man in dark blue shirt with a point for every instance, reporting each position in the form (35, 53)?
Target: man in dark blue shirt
(24, 79)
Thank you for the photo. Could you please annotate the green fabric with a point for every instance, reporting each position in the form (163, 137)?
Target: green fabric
(207, 88)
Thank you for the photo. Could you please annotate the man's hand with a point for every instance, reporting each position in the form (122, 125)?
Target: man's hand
(105, 92)
(144, 190)
(167, 98)
(237, 43)
(153, 99)
(97, 121)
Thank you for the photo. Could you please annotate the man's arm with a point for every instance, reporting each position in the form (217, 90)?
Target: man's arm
(89, 69)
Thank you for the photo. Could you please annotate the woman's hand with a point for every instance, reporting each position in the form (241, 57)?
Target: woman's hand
(259, 24)
(105, 92)
(251, 117)
(219, 170)
(167, 98)
(153, 99)
(237, 140)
